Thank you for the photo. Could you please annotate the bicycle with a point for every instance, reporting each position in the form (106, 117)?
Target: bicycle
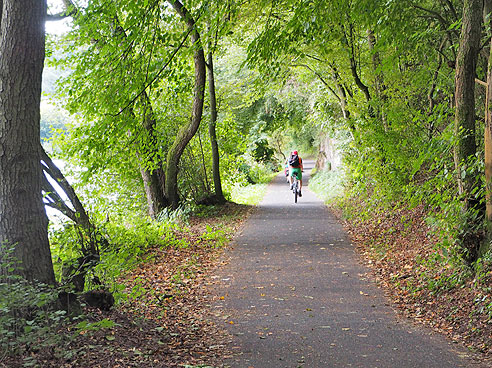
(295, 186)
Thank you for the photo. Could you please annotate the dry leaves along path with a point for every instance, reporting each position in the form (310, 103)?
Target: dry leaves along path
(294, 295)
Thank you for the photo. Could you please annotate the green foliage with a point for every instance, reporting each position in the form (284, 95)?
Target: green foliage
(129, 238)
(52, 122)
(260, 173)
(296, 76)
(436, 278)
(327, 184)
(85, 326)
(29, 317)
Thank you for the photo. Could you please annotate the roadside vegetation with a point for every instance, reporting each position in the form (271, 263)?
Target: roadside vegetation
(157, 273)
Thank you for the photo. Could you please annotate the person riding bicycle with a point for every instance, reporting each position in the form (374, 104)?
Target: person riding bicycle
(295, 166)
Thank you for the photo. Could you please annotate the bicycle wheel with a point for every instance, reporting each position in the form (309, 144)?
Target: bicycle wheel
(295, 191)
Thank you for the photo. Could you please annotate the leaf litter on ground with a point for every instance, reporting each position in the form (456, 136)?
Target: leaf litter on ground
(169, 323)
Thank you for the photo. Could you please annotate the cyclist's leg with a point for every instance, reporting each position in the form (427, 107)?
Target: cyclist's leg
(297, 172)
(299, 176)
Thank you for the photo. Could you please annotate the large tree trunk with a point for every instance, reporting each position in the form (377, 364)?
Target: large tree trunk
(466, 149)
(219, 196)
(23, 220)
(187, 132)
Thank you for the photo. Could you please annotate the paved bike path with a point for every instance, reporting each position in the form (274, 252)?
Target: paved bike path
(294, 294)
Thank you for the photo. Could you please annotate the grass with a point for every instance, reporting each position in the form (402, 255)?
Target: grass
(328, 185)
(250, 195)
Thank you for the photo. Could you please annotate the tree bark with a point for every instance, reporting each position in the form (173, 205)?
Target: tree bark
(23, 220)
(187, 132)
(219, 196)
(466, 149)
(347, 40)
(153, 178)
(488, 128)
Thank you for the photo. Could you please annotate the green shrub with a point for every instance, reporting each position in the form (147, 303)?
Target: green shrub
(29, 317)
(261, 173)
(129, 237)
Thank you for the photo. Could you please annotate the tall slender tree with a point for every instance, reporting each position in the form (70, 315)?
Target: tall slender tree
(187, 132)
(488, 123)
(466, 147)
(219, 196)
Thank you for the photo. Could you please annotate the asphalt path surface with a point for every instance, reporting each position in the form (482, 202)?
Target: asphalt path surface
(294, 294)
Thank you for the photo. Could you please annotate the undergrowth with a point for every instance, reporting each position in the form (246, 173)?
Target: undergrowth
(327, 184)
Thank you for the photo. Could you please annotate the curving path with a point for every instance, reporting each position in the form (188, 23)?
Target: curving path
(294, 294)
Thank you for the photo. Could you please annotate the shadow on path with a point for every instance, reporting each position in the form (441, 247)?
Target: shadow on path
(295, 295)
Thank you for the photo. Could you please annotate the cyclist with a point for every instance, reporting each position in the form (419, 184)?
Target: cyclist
(295, 166)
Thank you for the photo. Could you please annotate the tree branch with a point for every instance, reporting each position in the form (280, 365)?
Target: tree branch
(53, 200)
(50, 168)
(451, 8)
(437, 16)
(320, 77)
(69, 11)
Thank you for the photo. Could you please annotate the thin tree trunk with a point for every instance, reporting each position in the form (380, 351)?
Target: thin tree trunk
(219, 195)
(342, 95)
(187, 132)
(23, 220)
(353, 63)
(153, 178)
(488, 128)
(466, 149)
(430, 95)
(380, 87)
(205, 183)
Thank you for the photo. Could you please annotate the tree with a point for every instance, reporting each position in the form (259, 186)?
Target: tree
(488, 123)
(131, 92)
(466, 148)
(23, 220)
(219, 196)
(139, 111)
(187, 132)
